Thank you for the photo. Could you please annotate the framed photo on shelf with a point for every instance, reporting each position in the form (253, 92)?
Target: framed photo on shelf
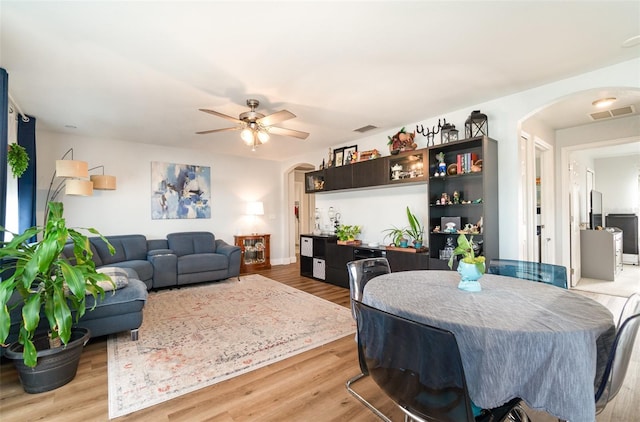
(338, 157)
(348, 153)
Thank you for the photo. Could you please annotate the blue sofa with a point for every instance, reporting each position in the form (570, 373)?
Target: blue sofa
(180, 259)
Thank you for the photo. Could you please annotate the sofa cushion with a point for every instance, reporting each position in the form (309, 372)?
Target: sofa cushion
(142, 267)
(203, 262)
(188, 243)
(128, 247)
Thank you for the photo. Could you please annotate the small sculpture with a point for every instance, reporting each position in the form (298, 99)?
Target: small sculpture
(442, 167)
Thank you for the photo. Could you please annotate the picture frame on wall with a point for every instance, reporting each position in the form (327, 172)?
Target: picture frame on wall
(348, 152)
(338, 157)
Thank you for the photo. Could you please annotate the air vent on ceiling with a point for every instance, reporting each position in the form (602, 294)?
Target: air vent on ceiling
(608, 114)
(366, 128)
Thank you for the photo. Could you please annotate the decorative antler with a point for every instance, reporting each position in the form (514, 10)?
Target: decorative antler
(431, 134)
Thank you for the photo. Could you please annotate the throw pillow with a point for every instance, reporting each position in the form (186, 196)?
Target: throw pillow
(117, 275)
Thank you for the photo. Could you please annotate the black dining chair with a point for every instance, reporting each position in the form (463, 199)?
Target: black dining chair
(360, 272)
(620, 353)
(429, 385)
(526, 270)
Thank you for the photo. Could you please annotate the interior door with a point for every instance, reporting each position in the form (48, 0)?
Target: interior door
(574, 233)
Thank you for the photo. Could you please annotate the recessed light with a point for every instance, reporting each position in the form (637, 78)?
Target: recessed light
(604, 102)
(631, 42)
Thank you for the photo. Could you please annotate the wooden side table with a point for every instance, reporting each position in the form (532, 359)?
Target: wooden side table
(255, 252)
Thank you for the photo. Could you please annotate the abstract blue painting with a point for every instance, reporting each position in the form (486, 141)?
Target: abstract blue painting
(180, 191)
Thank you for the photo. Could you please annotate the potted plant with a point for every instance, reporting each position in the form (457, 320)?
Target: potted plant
(37, 276)
(415, 230)
(470, 267)
(18, 159)
(347, 234)
(398, 236)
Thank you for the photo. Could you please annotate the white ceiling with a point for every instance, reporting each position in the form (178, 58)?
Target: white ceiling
(139, 71)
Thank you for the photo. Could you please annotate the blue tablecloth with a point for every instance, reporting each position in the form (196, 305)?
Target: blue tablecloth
(517, 338)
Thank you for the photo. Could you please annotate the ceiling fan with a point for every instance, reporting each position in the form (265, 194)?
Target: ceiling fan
(255, 126)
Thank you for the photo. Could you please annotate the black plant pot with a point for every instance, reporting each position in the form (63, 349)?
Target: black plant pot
(55, 368)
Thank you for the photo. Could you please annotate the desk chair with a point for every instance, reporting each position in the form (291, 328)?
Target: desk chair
(360, 272)
(620, 354)
(535, 271)
(427, 386)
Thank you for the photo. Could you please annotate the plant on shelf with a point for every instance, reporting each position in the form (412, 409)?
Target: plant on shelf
(347, 233)
(397, 235)
(47, 282)
(465, 249)
(415, 229)
(18, 159)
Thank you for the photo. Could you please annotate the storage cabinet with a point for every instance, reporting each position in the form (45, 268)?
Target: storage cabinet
(313, 256)
(408, 166)
(600, 253)
(255, 252)
(464, 195)
(405, 167)
(322, 258)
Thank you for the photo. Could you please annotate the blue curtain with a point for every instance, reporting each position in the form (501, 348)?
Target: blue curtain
(4, 115)
(27, 182)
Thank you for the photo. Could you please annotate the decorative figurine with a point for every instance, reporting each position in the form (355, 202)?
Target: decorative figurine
(456, 197)
(442, 167)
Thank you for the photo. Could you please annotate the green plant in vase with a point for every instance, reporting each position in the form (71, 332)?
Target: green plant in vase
(415, 230)
(397, 236)
(46, 281)
(470, 267)
(347, 233)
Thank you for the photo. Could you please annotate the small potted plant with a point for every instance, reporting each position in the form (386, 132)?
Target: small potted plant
(415, 230)
(37, 276)
(347, 234)
(470, 267)
(18, 159)
(397, 236)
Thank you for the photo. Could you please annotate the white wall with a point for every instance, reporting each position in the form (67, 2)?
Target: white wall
(234, 182)
(618, 178)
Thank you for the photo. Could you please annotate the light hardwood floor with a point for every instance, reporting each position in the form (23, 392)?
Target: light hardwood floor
(306, 387)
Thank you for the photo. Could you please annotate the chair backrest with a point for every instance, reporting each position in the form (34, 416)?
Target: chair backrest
(620, 354)
(535, 271)
(360, 272)
(631, 307)
(417, 365)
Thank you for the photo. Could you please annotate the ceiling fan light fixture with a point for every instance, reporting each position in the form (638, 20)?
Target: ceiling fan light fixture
(263, 136)
(604, 102)
(247, 135)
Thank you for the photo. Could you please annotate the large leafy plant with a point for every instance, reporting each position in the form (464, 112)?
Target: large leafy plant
(465, 249)
(46, 280)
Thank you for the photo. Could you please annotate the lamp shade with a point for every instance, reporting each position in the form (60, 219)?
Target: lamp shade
(78, 187)
(103, 182)
(72, 168)
(255, 208)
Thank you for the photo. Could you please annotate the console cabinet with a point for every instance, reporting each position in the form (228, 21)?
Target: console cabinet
(322, 258)
(600, 253)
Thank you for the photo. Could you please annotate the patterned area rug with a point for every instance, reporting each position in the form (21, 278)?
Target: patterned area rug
(197, 336)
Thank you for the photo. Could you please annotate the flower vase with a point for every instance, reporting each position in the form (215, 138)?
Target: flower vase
(469, 276)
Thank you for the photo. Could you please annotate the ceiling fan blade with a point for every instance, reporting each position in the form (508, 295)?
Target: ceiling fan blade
(277, 117)
(224, 116)
(288, 132)
(218, 130)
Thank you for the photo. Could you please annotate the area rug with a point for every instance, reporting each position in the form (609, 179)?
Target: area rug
(197, 336)
(626, 283)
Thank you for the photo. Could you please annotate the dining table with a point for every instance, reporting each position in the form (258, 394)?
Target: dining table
(517, 338)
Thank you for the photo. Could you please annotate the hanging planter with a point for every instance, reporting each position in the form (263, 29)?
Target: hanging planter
(18, 159)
